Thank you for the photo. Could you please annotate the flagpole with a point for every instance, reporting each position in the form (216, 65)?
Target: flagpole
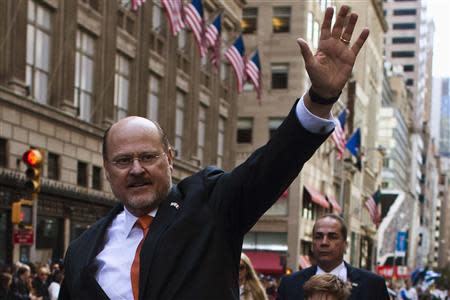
(341, 190)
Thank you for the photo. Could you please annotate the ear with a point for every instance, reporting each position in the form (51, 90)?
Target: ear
(106, 168)
(170, 156)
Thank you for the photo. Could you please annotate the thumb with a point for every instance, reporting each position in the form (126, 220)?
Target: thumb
(305, 51)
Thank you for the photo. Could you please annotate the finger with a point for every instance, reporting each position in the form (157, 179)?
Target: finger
(340, 20)
(307, 55)
(347, 34)
(325, 31)
(360, 41)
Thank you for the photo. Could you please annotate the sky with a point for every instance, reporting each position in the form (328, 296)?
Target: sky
(440, 13)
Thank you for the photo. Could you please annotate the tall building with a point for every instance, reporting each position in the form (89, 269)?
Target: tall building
(406, 44)
(444, 140)
(68, 70)
(284, 232)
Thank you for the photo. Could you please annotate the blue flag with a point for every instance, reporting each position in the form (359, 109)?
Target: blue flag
(354, 144)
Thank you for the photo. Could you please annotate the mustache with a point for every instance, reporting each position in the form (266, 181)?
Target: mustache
(138, 181)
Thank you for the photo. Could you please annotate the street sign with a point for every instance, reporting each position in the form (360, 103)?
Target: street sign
(401, 243)
(23, 236)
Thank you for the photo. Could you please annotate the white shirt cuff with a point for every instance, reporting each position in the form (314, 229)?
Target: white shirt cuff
(311, 122)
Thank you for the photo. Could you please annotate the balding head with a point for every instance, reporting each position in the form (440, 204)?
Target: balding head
(135, 120)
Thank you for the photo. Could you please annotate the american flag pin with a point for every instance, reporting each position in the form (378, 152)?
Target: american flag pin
(354, 284)
(174, 204)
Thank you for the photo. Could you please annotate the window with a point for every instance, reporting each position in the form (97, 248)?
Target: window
(404, 40)
(221, 141)
(158, 23)
(153, 97)
(281, 19)
(316, 33)
(96, 177)
(409, 82)
(280, 76)
(84, 73)
(310, 26)
(3, 153)
(182, 39)
(323, 4)
(405, 12)
(93, 4)
(201, 136)
(121, 86)
(179, 122)
(82, 174)
(249, 20)
(244, 130)
(39, 31)
(403, 54)
(408, 68)
(404, 26)
(274, 123)
(53, 166)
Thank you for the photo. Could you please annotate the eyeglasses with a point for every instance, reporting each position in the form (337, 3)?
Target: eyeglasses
(146, 159)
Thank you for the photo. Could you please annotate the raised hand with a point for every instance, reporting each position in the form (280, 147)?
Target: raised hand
(331, 67)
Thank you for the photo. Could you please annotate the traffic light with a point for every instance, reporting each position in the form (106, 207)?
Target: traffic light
(21, 212)
(33, 160)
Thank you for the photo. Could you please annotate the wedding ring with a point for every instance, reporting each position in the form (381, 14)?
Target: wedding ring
(344, 40)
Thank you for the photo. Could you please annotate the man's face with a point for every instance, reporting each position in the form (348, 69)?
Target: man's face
(145, 181)
(328, 244)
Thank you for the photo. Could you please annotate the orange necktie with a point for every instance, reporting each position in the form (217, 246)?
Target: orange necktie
(143, 223)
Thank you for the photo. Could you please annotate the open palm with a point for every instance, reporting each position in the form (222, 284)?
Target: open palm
(331, 67)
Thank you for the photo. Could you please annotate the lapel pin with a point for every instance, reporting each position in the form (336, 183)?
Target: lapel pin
(174, 204)
(354, 284)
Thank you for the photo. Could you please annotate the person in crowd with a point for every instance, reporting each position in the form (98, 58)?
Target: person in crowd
(329, 236)
(326, 287)
(21, 286)
(183, 241)
(40, 283)
(55, 285)
(5, 286)
(250, 287)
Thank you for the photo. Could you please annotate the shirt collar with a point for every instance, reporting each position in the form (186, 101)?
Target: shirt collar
(130, 220)
(340, 271)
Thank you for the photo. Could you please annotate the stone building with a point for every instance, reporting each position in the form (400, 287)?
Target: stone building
(68, 70)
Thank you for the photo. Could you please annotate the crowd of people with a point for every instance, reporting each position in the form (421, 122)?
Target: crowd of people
(30, 282)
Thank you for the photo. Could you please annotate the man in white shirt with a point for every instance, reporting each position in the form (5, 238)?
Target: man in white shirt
(183, 241)
(328, 248)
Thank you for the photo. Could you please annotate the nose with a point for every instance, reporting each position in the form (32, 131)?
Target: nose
(324, 240)
(136, 167)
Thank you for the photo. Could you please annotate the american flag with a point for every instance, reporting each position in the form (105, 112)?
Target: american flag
(339, 136)
(173, 10)
(193, 13)
(372, 206)
(235, 55)
(136, 3)
(212, 36)
(253, 71)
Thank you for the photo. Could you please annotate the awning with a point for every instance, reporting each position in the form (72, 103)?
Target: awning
(304, 262)
(266, 262)
(317, 197)
(336, 207)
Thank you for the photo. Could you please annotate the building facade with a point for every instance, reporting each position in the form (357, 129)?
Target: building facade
(68, 70)
(284, 233)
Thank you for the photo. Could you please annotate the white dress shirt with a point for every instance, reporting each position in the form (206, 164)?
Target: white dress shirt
(340, 271)
(122, 237)
(116, 258)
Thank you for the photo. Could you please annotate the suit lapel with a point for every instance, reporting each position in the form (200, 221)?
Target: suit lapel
(164, 217)
(355, 280)
(92, 249)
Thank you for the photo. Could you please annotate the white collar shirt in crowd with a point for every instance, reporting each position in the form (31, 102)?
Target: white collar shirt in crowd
(115, 259)
(340, 271)
(122, 238)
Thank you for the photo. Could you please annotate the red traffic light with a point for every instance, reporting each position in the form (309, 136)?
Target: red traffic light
(32, 158)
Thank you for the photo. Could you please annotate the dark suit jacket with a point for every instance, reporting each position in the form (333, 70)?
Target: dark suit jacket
(365, 285)
(193, 252)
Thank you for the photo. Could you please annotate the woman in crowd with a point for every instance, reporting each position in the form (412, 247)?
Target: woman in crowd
(250, 287)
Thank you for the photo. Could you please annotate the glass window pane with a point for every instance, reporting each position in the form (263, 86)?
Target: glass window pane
(43, 17)
(77, 70)
(31, 11)
(42, 50)
(30, 44)
(41, 86)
